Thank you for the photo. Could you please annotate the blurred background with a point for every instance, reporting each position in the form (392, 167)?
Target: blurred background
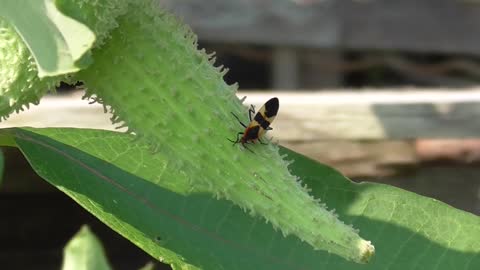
(385, 91)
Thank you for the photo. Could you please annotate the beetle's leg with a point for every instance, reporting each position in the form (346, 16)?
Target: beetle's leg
(239, 120)
(237, 140)
(251, 112)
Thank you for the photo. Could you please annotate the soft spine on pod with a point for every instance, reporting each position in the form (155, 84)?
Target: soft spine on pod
(157, 83)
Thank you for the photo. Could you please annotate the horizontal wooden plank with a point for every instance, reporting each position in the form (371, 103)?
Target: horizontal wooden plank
(249, 21)
(426, 26)
(448, 150)
(62, 111)
(313, 116)
(422, 26)
(372, 115)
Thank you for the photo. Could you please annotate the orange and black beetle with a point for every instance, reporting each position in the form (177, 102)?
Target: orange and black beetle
(259, 124)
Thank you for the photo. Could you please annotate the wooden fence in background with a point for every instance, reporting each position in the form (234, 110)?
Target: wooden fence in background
(308, 37)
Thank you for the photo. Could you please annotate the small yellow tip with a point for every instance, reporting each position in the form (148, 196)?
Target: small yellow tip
(367, 250)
